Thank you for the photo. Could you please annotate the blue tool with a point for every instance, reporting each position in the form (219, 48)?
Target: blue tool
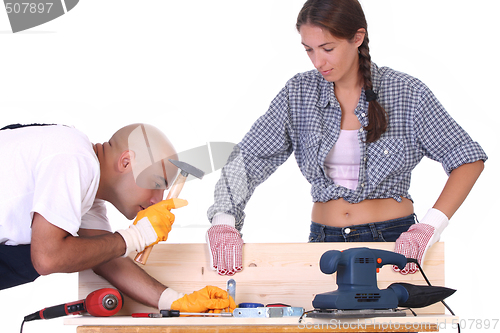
(358, 294)
(357, 279)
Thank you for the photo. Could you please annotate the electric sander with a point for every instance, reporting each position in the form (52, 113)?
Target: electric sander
(358, 295)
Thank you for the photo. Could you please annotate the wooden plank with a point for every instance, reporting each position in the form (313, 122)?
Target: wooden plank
(273, 273)
(424, 323)
(380, 323)
(240, 329)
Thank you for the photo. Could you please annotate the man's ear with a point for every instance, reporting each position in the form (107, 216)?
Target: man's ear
(125, 161)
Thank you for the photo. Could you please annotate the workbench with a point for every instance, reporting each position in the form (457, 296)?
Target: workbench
(272, 273)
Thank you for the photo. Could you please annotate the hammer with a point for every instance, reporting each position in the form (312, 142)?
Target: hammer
(186, 170)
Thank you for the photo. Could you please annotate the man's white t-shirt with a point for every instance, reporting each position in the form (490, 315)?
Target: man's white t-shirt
(53, 171)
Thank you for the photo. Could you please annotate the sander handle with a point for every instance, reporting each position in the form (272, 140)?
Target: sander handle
(176, 188)
(389, 258)
(329, 261)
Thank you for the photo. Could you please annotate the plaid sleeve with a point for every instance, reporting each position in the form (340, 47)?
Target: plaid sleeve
(441, 138)
(263, 149)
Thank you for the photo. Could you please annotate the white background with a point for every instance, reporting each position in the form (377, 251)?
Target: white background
(205, 70)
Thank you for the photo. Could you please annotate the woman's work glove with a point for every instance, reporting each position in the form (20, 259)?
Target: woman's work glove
(225, 245)
(209, 299)
(415, 242)
(151, 225)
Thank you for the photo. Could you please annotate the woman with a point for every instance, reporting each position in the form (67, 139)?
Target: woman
(357, 132)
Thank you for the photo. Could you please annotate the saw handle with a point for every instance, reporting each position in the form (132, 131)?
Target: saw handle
(176, 188)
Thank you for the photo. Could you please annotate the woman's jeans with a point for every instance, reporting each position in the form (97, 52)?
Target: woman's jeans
(386, 231)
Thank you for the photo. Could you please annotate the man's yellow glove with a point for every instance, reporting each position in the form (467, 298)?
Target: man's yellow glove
(151, 225)
(160, 217)
(209, 299)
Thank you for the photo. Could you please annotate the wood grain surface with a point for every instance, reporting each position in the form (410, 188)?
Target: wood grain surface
(272, 273)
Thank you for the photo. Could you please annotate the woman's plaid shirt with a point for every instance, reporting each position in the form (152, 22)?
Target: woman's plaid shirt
(304, 118)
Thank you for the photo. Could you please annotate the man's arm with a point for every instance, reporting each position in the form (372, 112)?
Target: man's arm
(54, 250)
(128, 277)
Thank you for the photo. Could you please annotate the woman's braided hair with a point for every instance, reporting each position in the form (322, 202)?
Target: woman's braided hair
(343, 19)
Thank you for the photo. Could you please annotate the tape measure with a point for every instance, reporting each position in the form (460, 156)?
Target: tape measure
(267, 312)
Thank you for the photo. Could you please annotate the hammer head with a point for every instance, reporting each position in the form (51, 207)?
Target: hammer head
(188, 169)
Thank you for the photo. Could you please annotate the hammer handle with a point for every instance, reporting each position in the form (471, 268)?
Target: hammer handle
(176, 188)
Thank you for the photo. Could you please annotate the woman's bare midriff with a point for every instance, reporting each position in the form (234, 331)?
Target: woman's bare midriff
(340, 213)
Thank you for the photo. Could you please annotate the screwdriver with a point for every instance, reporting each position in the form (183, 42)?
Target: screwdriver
(176, 313)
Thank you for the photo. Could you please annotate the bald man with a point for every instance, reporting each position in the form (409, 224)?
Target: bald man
(54, 184)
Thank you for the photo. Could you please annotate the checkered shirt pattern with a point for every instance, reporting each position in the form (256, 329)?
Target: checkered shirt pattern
(304, 118)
